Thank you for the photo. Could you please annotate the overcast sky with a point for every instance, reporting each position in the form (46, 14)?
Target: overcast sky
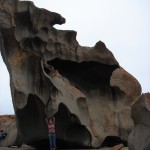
(123, 25)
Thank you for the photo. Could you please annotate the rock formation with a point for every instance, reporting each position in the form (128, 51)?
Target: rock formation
(8, 124)
(139, 138)
(51, 74)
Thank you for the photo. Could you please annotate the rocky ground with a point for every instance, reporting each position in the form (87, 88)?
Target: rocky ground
(6, 148)
(25, 147)
(6, 121)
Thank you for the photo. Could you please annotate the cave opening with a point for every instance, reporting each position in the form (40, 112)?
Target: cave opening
(111, 141)
(86, 75)
(32, 117)
(70, 132)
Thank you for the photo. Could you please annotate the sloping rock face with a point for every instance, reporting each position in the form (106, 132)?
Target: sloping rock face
(8, 124)
(51, 74)
(139, 138)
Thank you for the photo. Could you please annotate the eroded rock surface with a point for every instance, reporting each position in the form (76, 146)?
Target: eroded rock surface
(51, 74)
(8, 124)
(139, 138)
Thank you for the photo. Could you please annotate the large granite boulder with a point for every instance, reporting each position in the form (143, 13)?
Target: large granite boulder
(139, 138)
(52, 75)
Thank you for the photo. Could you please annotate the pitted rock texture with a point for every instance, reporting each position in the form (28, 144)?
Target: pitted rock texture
(51, 74)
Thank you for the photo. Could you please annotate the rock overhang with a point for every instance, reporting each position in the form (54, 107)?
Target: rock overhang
(50, 72)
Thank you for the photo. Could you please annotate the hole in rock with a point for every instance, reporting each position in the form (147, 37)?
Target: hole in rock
(86, 75)
(31, 120)
(78, 136)
(111, 141)
(69, 131)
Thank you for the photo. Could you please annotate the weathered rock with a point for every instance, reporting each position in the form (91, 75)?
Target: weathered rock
(139, 138)
(8, 124)
(117, 147)
(126, 83)
(51, 74)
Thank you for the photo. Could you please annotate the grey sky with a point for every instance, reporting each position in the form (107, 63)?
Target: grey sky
(123, 25)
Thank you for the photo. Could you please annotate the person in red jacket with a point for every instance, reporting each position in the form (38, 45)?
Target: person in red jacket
(51, 132)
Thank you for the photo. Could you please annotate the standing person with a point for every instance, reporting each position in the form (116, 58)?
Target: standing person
(51, 132)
